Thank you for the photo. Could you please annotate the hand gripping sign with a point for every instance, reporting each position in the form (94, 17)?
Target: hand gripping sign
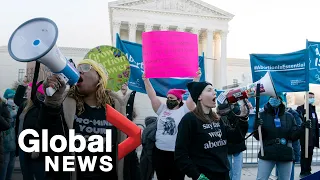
(128, 127)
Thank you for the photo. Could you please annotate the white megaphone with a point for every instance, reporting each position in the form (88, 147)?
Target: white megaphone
(35, 40)
(266, 89)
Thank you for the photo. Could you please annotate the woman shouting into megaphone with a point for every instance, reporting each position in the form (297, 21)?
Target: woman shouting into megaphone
(201, 150)
(82, 109)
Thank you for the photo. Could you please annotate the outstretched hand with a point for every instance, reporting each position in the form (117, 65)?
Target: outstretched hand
(58, 84)
(197, 78)
(144, 77)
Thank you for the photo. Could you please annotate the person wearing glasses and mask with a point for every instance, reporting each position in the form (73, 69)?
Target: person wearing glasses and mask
(169, 117)
(70, 110)
(279, 130)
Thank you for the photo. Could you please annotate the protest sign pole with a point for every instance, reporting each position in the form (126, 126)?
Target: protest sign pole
(258, 117)
(306, 106)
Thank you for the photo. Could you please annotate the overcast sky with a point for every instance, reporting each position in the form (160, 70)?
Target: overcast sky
(273, 26)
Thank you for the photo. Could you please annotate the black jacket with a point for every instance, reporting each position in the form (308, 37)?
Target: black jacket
(30, 119)
(4, 125)
(202, 147)
(273, 149)
(148, 145)
(131, 167)
(314, 134)
(54, 120)
(234, 148)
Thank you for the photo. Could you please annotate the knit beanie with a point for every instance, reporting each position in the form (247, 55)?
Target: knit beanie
(99, 68)
(9, 93)
(40, 88)
(177, 92)
(196, 88)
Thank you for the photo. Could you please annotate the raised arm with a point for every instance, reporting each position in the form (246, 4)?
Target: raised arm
(19, 96)
(155, 101)
(190, 104)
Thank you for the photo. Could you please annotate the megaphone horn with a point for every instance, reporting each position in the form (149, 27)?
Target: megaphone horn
(266, 89)
(35, 40)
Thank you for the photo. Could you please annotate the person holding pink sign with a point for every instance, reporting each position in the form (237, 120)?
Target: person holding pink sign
(169, 117)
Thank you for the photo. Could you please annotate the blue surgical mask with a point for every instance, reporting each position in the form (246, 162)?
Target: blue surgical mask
(311, 100)
(274, 102)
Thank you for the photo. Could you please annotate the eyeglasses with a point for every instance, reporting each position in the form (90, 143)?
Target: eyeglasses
(84, 67)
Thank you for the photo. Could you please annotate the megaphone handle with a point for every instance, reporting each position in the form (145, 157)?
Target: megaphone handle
(50, 91)
(260, 140)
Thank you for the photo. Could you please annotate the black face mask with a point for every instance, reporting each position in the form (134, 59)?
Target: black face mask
(172, 104)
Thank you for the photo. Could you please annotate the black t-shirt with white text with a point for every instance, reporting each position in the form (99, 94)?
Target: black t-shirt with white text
(93, 122)
(202, 147)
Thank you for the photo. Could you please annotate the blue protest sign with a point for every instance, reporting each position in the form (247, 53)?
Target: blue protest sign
(314, 62)
(288, 71)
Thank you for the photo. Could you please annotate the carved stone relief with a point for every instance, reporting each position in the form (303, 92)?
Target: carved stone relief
(183, 6)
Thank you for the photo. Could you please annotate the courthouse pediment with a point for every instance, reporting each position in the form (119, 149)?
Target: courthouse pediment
(195, 7)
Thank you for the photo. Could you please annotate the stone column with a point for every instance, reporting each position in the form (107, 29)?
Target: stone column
(164, 27)
(216, 55)
(148, 27)
(201, 40)
(209, 57)
(197, 31)
(115, 29)
(132, 32)
(181, 28)
(223, 58)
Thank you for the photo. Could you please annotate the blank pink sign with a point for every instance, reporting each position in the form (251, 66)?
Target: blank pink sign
(169, 54)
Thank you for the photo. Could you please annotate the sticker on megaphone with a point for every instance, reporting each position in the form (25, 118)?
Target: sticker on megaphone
(50, 91)
(35, 40)
(266, 89)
